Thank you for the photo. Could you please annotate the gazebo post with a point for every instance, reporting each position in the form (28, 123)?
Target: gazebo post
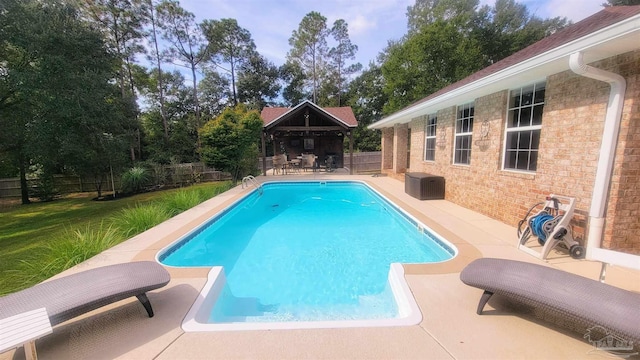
(264, 154)
(350, 135)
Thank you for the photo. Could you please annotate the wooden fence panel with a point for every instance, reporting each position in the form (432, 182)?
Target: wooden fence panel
(171, 175)
(10, 187)
(364, 162)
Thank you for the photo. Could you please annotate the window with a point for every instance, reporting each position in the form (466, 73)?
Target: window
(430, 138)
(524, 122)
(464, 129)
(308, 144)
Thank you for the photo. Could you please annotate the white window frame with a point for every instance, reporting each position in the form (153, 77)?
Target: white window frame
(430, 130)
(461, 131)
(523, 126)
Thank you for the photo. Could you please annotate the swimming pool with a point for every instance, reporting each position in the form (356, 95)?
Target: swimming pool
(306, 252)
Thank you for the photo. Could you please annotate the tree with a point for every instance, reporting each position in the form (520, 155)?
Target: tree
(450, 39)
(121, 23)
(309, 47)
(231, 43)
(367, 98)
(185, 36)
(58, 89)
(427, 61)
(7, 166)
(230, 141)
(215, 94)
(507, 27)
(621, 2)
(293, 77)
(156, 55)
(425, 12)
(179, 108)
(258, 82)
(340, 54)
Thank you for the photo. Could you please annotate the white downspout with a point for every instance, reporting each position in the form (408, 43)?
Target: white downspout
(607, 148)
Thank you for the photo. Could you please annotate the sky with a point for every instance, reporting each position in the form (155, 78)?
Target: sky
(372, 23)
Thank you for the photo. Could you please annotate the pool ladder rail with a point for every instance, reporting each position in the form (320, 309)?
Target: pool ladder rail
(250, 180)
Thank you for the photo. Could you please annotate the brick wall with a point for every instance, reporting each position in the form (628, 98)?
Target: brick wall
(400, 148)
(387, 148)
(572, 126)
(623, 213)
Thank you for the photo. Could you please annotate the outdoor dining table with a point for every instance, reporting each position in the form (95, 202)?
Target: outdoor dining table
(293, 165)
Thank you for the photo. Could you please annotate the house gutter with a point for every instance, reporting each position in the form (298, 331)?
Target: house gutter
(607, 147)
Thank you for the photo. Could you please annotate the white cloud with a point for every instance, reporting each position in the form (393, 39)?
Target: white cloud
(360, 25)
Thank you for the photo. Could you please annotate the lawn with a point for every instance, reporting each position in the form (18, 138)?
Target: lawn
(35, 239)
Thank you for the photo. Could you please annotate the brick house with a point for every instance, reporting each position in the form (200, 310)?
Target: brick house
(561, 116)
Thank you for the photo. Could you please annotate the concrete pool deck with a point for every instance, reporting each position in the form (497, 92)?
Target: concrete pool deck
(450, 328)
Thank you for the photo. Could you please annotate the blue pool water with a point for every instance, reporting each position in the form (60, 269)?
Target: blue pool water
(307, 251)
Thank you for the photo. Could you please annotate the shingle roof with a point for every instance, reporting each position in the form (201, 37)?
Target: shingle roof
(269, 114)
(606, 17)
(344, 114)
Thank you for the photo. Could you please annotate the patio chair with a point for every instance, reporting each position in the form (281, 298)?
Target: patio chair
(330, 163)
(586, 303)
(73, 295)
(279, 163)
(23, 330)
(309, 162)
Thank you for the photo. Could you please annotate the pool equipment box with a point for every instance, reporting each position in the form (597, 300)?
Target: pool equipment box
(424, 186)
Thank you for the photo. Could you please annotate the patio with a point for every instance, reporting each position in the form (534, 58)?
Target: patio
(450, 328)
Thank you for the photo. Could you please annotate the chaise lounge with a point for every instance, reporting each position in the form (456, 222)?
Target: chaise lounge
(584, 302)
(70, 296)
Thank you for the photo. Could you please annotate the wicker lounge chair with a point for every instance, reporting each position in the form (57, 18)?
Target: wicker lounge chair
(73, 295)
(584, 302)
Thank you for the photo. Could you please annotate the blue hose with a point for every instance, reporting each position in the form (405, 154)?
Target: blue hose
(537, 226)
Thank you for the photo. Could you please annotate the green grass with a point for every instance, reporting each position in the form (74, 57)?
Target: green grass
(40, 240)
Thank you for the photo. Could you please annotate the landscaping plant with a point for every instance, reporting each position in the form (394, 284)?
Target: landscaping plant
(38, 241)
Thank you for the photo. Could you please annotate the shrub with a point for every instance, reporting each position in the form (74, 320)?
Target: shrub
(135, 180)
(44, 189)
(181, 200)
(43, 184)
(133, 221)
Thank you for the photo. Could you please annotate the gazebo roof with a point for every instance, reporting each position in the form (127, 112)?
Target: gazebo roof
(342, 116)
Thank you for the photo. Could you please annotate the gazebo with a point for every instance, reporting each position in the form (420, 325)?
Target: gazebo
(308, 129)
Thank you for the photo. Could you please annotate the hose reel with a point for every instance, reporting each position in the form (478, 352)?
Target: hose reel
(542, 225)
(551, 227)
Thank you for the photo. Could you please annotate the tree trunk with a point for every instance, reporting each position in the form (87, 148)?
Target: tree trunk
(315, 78)
(233, 83)
(24, 187)
(195, 98)
(163, 114)
(98, 185)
